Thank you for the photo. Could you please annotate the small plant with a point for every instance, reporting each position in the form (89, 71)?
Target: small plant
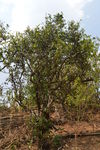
(13, 147)
(57, 141)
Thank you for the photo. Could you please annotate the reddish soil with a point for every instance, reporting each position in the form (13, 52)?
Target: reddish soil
(20, 135)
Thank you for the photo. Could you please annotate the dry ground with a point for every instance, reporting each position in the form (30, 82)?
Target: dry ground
(19, 134)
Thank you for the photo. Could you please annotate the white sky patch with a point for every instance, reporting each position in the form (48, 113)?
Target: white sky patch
(32, 12)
